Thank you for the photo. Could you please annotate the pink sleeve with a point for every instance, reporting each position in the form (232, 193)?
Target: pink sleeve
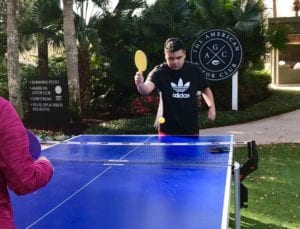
(22, 173)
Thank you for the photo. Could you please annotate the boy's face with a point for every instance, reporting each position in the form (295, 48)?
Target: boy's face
(175, 60)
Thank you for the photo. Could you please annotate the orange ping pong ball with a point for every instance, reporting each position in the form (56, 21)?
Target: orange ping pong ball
(162, 120)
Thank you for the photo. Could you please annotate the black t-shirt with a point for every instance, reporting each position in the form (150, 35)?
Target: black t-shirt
(179, 96)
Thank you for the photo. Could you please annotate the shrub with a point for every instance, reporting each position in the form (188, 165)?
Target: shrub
(252, 88)
(144, 105)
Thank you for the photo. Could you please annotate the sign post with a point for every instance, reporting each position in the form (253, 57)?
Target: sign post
(234, 101)
(219, 54)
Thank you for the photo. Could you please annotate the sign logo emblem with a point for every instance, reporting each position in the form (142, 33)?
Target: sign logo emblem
(218, 53)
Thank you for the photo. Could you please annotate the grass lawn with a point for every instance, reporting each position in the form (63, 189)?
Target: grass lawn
(278, 103)
(274, 189)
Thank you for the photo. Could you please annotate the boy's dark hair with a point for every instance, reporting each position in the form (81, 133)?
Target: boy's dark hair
(174, 44)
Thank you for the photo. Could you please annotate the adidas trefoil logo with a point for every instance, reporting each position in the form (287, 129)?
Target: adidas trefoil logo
(180, 87)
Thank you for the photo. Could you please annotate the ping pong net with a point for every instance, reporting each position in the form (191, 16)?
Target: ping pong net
(144, 149)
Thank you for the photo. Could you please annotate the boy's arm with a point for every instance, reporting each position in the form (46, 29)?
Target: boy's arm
(209, 100)
(144, 88)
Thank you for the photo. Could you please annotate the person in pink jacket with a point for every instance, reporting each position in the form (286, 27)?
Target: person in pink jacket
(18, 171)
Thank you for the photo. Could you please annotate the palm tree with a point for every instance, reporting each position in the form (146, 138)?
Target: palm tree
(163, 19)
(88, 42)
(14, 82)
(71, 59)
(42, 23)
(116, 30)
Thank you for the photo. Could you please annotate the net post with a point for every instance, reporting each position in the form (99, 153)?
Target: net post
(237, 198)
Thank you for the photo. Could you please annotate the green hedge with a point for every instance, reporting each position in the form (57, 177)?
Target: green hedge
(252, 88)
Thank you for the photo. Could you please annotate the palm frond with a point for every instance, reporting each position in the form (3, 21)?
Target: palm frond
(277, 35)
(249, 16)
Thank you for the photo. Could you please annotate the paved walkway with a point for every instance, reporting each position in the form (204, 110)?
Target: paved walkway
(283, 128)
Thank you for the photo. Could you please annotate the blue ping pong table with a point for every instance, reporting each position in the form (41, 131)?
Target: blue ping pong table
(133, 181)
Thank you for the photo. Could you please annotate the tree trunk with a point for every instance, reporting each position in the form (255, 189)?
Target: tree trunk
(43, 58)
(274, 9)
(84, 79)
(296, 7)
(14, 81)
(71, 59)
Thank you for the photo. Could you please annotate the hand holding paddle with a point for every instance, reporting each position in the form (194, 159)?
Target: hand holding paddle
(34, 145)
(140, 61)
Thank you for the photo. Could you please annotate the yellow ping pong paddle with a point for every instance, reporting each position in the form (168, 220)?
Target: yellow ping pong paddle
(140, 60)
